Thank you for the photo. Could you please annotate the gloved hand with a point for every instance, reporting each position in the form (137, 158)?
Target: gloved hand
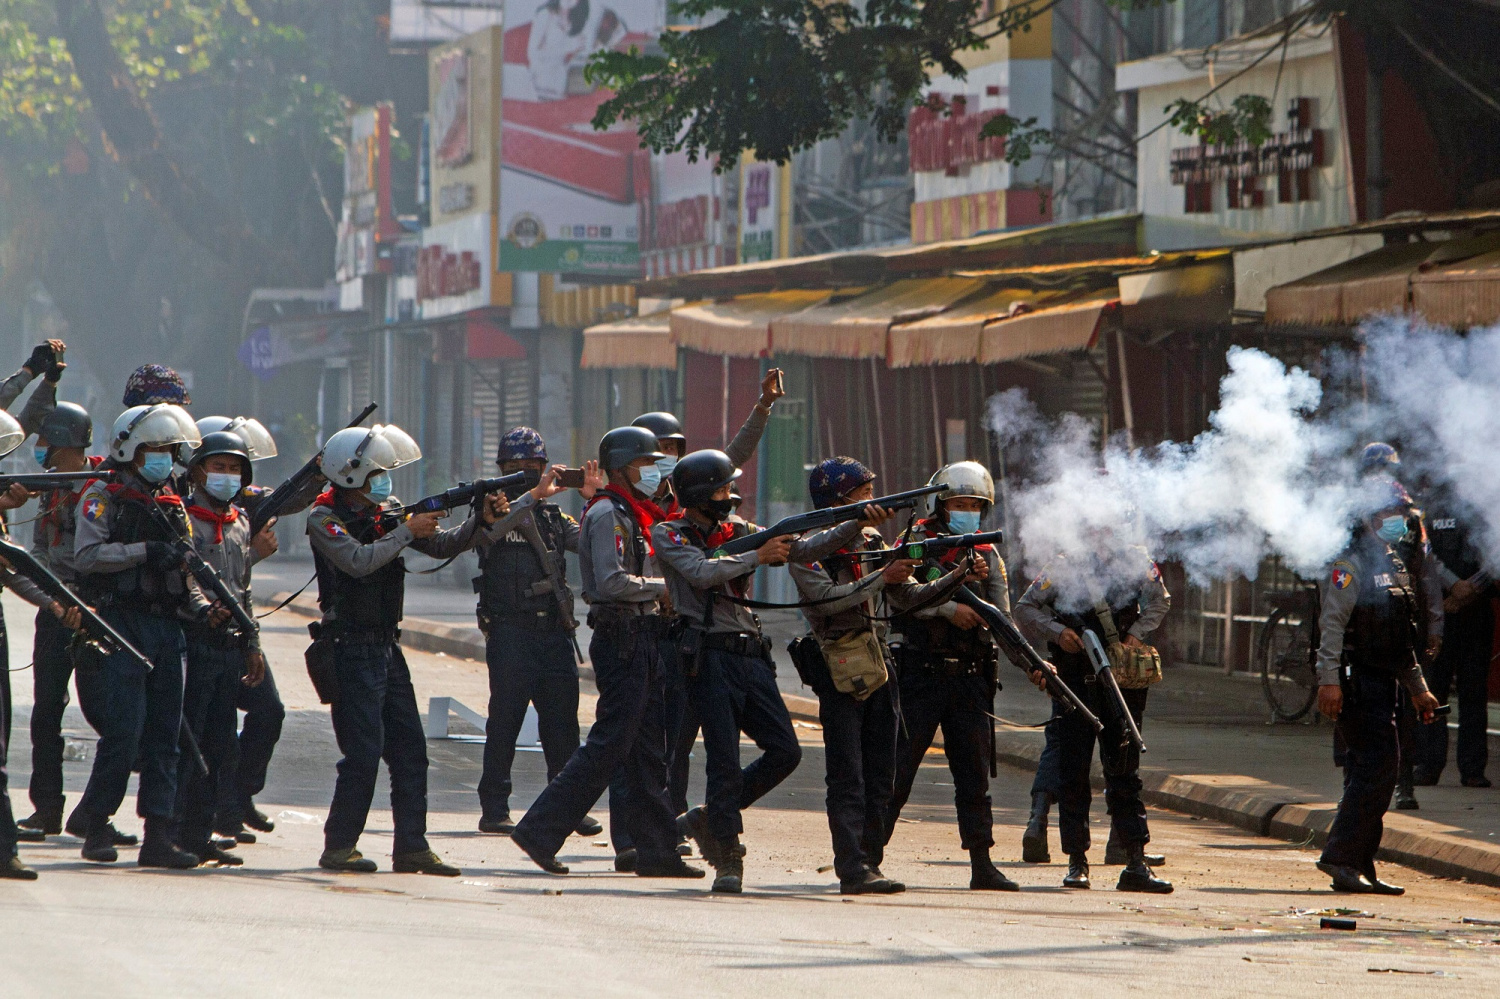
(55, 371)
(41, 359)
(162, 557)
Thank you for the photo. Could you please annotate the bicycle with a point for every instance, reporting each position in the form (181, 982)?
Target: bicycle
(1287, 651)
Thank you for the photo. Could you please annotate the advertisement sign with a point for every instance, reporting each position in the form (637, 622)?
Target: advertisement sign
(453, 266)
(762, 188)
(368, 219)
(568, 193)
(453, 145)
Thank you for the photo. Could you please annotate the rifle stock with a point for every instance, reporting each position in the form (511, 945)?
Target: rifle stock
(1022, 655)
(97, 631)
(1106, 674)
(282, 495)
(819, 520)
(208, 578)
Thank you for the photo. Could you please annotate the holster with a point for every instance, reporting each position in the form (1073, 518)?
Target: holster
(690, 650)
(322, 657)
(807, 658)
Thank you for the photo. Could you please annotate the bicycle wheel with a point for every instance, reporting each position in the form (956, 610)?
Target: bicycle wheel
(1285, 650)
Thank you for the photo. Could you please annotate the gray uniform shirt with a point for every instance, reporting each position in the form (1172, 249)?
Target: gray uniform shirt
(230, 557)
(1338, 593)
(330, 539)
(94, 524)
(850, 601)
(615, 562)
(1067, 580)
(690, 573)
(520, 512)
(55, 534)
(43, 400)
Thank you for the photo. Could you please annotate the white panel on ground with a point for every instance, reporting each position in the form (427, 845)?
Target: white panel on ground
(439, 710)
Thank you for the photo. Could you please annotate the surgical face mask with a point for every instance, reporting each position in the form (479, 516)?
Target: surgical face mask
(41, 455)
(650, 480)
(379, 486)
(157, 467)
(665, 465)
(963, 521)
(222, 486)
(1391, 529)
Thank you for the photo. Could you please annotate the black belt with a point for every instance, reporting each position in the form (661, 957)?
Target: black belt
(360, 636)
(738, 644)
(542, 620)
(941, 665)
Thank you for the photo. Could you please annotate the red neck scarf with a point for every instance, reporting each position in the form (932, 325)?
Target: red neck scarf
(216, 518)
(646, 513)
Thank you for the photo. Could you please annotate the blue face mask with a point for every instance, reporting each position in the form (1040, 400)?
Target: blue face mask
(963, 521)
(650, 480)
(665, 466)
(1391, 529)
(379, 486)
(157, 467)
(222, 486)
(41, 455)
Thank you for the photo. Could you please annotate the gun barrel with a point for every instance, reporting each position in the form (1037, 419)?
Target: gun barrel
(1106, 675)
(819, 520)
(51, 480)
(467, 492)
(98, 629)
(273, 504)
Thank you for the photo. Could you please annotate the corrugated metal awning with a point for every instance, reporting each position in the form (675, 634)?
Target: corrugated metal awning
(1462, 294)
(952, 337)
(638, 342)
(1056, 329)
(738, 327)
(857, 326)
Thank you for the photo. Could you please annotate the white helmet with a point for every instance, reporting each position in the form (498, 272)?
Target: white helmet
(354, 454)
(965, 478)
(258, 440)
(11, 434)
(152, 426)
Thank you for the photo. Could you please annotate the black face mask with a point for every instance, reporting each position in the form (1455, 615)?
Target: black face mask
(719, 510)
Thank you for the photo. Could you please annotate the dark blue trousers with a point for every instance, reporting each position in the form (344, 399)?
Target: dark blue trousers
(527, 666)
(1371, 757)
(859, 743)
(733, 694)
(51, 669)
(375, 718)
(7, 818)
(930, 699)
(243, 775)
(208, 696)
(1074, 739)
(682, 733)
(628, 739)
(1462, 668)
(139, 716)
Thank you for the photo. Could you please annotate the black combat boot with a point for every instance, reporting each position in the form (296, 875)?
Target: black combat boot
(625, 860)
(1114, 853)
(500, 824)
(729, 876)
(1345, 878)
(1078, 871)
(423, 862)
(1034, 839)
(212, 853)
(40, 824)
(1405, 799)
(694, 825)
(870, 883)
(158, 850)
(983, 876)
(1138, 877)
(13, 869)
(256, 819)
(589, 827)
(78, 825)
(98, 839)
(1379, 887)
(347, 860)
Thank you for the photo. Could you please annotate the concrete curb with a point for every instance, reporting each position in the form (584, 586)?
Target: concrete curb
(1248, 803)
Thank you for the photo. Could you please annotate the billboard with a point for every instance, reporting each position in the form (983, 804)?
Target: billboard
(368, 223)
(568, 193)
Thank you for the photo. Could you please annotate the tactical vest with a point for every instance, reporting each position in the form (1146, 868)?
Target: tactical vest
(1125, 611)
(361, 603)
(509, 571)
(939, 638)
(1451, 546)
(1381, 634)
(139, 588)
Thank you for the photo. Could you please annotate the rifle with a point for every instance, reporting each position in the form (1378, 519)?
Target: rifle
(466, 492)
(204, 573)
(818, 520)
(35, 481)
(1105, 674)
(1021, 654)
(554, 582)
(928, 547)
(282, 495)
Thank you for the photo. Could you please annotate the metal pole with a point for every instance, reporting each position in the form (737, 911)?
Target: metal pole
(1224, 655)
(1125, 390)
(885, 468)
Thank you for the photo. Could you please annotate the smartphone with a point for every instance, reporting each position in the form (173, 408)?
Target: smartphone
(571, 478)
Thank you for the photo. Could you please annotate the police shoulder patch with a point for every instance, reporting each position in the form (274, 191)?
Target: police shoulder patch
(335, 529)
(1342, 575)
(93, 508)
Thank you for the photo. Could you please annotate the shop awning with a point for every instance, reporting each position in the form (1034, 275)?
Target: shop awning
(952, 337)
(1343, 294)
(738, 327)
(1462, 294)
(1056, 329)
(857, 326)
(638, 342)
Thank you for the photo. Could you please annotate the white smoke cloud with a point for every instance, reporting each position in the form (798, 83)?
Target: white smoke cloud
(1271, 476)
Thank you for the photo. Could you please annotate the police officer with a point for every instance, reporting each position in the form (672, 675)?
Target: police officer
(628, 737)
(357, 554)
(242, 772)
(1463, 664)
(62, 443)
(731, 680)
(1117, 593)
(219, 660)
(946, 666)
(529, 641)
(11, 866)
(130, 570)
(859, 728)
(1368, 647)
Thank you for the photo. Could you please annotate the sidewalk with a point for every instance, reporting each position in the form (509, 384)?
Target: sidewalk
(1210, 751)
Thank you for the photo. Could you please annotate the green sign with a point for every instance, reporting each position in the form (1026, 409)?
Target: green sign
(573, 256)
